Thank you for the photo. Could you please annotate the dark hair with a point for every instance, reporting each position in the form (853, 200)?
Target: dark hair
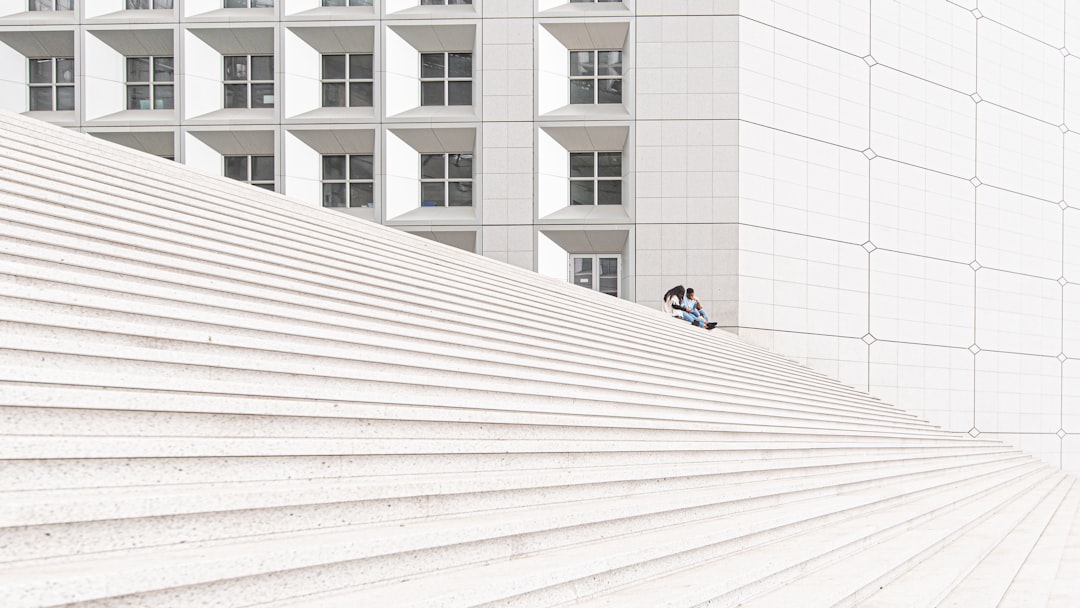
(675, 291)
(689, 290)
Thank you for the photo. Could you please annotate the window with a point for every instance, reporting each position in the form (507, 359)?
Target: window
(52, 84)
(249, 3)
(347, 81)
(255, 170)
(594, 1)
(149, 83)
(252, 87)
(446, 79)
(599, 272)
(446, 180)
(443, 2)
(596, 178)
(346, 2)
(144, 5)
(348, 180)
(52, 5)
(595, 76)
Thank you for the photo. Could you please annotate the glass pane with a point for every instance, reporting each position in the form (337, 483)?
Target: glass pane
(461, 194)
(431, 93)
(163, 97)
(583, 272)
(459, 2)
(163, 4)
(609, 90)
(41, 71)
(65, 70)
(333, 166)
(138, 69)
(135, 5)
(581, 164)
(609, 63)
(581, 91)
(333, 195)
(432, 2)
(609, 276)
(333, 67)
(460, 65)
(359, 2)
(581, 192)
(362, 195)
(361, 94)
(609, 164)
(65, 99)
(138, 97)
(236, 167)
(262, 3)
(41, 99)
(432, 65)
(432, 166)
(262, 95)
(235, 3)
(262, 67)
(361, 166)
(460, 93)
(360, 66)
(262, 168)
(65, 5)
(236, 96)
(333, 3)
(163, 69)
(268, 186)
(609, 192)
(432, 194)
(236, 68)
(333, 95)
(581, 63)
(460, 165)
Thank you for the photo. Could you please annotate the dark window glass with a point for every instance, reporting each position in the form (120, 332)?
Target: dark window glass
(460, 194)
(432, 93)
(609, 90)
(163, 97)
(460, 165)
(236, 68)
(609, 164)
(609, 63)
(333, 67)
(362, 195)
(360, 94)
(65, 99)
(262, 168)
(41, 99)
(333, 167)
(163, 69)
(334, 195)
(432, 194)
(138, 70)
(262, 67)
(236, 167)
(581, 192)
(361, 166)
(333, 94)
(262, 95)
(432, 65)
(236, 96)
(138, 97)
(609, 192)
(581, 164)
(581, 91)
(581, 63)
(460, 65)
(41, 71)
(459, 93)
(360, 66)
(65, 70)
(431, 166)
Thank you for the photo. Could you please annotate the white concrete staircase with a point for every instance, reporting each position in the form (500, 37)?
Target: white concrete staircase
(210, 395)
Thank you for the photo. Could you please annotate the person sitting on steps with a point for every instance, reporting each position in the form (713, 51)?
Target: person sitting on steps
(673, 305)
(693, 305)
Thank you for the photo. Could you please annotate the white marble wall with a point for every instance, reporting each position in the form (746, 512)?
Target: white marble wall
(909, 216)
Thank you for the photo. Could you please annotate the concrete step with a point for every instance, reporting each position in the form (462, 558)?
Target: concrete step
(908, 570)
(585, 569)
(1050, 575)
(749, 574)
(564, 523)
(416, 337)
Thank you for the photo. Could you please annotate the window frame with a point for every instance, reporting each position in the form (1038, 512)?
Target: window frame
(53, 85)
(348, 181)
(595, 273)
(346, 4)
(347, 80)
(152, 84)
(34, 6)
(445, 2)
(446, 180)
(446, 79)
(260, 183)
(247, 4)
(596, 78)
(595, 179)
(151, 5)
(248, 82)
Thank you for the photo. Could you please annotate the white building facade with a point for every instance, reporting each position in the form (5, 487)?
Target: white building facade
(886, 190)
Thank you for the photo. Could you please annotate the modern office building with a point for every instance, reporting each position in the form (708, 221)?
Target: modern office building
(885, 190)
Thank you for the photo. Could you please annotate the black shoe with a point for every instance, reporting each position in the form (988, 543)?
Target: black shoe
(711, 325)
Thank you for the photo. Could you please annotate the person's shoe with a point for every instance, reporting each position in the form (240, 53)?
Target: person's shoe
(711, 325)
